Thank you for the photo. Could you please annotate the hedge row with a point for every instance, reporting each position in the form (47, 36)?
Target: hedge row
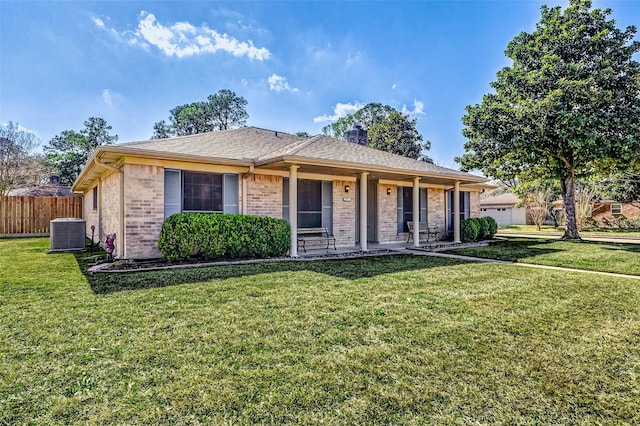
(211, 236)
(474, 229)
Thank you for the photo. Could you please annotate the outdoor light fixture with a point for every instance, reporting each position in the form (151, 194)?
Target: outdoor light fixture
(347, 188)
(388, 191)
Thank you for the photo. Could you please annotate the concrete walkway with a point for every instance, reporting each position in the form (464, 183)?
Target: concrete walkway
(526, 265)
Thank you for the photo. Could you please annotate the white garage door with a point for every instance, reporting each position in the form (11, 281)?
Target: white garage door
(501, 215)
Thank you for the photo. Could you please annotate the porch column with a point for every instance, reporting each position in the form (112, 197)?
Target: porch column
(456, 212)
(416, 211)
(363, 211)
(293, 209)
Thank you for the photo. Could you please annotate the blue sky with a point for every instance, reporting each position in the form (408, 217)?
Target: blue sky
(299, 64)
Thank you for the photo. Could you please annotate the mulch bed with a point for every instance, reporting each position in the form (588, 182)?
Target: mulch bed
(159, 264)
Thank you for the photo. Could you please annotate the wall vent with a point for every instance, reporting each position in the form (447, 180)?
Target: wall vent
(68, 234)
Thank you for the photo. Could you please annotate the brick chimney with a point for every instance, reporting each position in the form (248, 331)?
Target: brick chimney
(357, 135)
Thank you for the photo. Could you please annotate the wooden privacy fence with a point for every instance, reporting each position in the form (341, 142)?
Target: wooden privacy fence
(28, 215)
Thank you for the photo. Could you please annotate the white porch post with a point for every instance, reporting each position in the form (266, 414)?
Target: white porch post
(363, 211)
(416, 211)
(293, 209)
(456, 212)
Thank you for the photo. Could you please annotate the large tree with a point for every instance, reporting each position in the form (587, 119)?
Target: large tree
(70, 150)
(398, 134)
(387, 130)
(222, 111)
(368, 116)
(19, 166)
(567, 107)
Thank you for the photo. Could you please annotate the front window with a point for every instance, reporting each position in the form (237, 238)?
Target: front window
(202, 192)
(616, 208)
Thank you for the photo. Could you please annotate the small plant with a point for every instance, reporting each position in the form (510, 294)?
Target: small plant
(469, 230)
(493, 226)
(483, 233)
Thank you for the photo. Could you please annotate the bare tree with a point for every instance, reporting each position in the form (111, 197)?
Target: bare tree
(586, 197)
(538, 202)
(18, 165)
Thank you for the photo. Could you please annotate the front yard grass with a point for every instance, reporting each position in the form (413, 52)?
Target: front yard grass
(394, 340)
(592, 256)
(585, 233)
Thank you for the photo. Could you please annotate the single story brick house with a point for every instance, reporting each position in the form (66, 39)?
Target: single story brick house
(359, 193)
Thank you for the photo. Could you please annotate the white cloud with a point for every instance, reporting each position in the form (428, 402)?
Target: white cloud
(418, 108)
(394, 86)
(99, 22)
(106, 97)
(278, 83)
(340, 110)
(183, 39)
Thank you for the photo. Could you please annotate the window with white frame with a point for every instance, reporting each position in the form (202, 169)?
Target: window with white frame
(616, 208)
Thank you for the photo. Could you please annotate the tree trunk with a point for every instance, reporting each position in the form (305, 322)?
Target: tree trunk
(568, 185)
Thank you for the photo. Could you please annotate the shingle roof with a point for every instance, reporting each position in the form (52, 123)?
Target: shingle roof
(246, 143)
(264, 146)
(499, 200)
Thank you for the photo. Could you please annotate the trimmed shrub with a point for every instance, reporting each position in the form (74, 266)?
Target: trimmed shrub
(493, 226)
(212, 236)
(469, 229)
(483, 233)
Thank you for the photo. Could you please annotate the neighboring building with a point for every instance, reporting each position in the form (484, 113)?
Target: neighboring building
(52, 189)
(618, 210)
(503, 209)
(349, 188)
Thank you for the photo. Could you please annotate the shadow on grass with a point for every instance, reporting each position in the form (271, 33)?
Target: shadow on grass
(513, 249)
(351, 269)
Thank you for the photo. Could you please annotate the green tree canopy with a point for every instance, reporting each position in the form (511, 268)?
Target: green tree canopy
(367, 117)
(567, 107)
(388, 130)
(18, 165)
(69, 151)
(223, 111)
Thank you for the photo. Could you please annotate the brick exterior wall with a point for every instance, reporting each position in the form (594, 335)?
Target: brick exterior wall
(474, 198)
(601, 210)
(388, 215)
(144, 209)
(344, 214)
(90, 215)
(110, 210)
(264, 196)
(436, 207)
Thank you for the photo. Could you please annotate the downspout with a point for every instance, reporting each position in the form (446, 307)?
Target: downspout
(245, 180)
(120, 237)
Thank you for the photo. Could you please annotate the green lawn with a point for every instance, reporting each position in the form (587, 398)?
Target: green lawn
(388, 340)
(550, 230)
(592, 256)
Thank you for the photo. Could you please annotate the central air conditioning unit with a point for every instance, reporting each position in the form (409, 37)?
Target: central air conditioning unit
(68, 234)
